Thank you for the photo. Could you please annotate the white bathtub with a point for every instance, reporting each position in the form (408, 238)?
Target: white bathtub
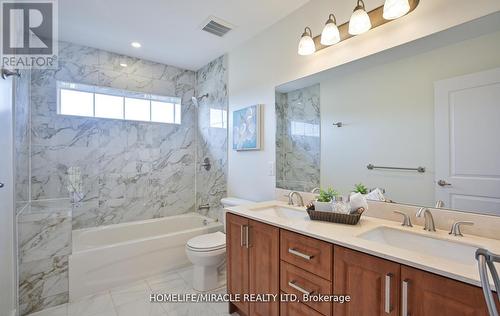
(109, 256)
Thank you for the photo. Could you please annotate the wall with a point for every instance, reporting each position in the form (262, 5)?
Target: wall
(298, 139)
(270, 59)
(128, 170)
(212, 139)
(388, 112)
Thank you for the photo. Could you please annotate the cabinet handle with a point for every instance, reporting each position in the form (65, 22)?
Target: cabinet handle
(299, 288)
(242, 229)
(388, 307)
(404, 302)
(247, 236)
(299, 254)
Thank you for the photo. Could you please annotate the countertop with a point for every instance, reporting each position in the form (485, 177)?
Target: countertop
(347, 236)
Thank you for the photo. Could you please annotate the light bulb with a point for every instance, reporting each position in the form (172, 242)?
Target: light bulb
(394, 9)
(330, 34)
(360, 21)
(306, 44)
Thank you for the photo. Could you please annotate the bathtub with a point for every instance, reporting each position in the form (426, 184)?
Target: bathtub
(109, 256)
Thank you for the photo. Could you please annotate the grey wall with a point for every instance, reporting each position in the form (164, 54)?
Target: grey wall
(120, 171)
(298, 149)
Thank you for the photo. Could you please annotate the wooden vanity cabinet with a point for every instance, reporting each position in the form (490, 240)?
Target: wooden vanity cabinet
(252, 264)
(372, 283)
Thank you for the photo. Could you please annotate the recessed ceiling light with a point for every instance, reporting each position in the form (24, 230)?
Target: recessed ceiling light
(123, 65)
(136, 44)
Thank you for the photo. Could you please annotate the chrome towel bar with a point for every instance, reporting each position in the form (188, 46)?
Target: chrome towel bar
(419, 169)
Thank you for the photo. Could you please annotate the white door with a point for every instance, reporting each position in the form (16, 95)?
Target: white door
(7, 271)
(467, 126)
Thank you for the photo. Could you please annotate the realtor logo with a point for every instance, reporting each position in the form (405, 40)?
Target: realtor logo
(29, 34)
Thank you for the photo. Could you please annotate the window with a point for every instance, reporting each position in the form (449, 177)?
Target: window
(218, 118)
(101, 102)
(304, 129)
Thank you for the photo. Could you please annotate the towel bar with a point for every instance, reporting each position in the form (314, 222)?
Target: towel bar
(419, 169)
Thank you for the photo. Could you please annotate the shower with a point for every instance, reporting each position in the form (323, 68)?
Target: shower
(196, 100)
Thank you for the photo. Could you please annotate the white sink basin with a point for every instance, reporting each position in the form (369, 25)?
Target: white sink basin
(283, 212)
(438, 248)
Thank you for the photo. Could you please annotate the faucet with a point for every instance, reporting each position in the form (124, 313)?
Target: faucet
(406, 219)
(315, 190)
(429, 220)
(455, 228)
(439, 204)
(290, 198)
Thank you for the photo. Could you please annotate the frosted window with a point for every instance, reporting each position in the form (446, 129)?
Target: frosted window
(108, 106)
(162, 112)
(137, 109)
(218, 118)
(76, 103)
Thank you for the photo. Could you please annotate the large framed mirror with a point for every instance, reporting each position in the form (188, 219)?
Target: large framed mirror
(420, 121)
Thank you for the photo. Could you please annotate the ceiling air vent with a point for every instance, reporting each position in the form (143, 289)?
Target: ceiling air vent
(217, 26)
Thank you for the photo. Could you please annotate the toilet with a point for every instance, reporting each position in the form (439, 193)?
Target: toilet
(208, 252)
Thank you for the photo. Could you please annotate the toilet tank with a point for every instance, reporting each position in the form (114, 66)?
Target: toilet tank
(231, 201)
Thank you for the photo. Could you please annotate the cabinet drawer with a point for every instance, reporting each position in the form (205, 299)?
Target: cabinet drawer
(308, 253)
(296, 309)
(294, 280)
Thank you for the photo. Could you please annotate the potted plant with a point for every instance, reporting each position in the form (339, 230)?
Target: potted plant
(324, 200)
(360, 188)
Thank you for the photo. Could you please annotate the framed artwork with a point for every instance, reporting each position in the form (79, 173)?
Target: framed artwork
(246, 128)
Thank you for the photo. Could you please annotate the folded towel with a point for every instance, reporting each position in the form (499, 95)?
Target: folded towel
(376, 195)
(357, 200)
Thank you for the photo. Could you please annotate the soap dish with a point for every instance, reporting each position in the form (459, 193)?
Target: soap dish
(349, 219)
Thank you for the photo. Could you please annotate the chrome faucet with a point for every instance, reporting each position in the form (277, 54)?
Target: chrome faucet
(429, 220)
(455, 228)
(406, 219)
(290, 198)
(315, 190)
(439, 204)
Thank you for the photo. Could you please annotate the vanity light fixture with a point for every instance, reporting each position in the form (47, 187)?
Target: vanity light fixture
(136, 44)
(306, 44)
(360, 21)
(394, 9)
(330, 34)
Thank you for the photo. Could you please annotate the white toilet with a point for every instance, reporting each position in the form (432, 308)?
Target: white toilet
(208, 252)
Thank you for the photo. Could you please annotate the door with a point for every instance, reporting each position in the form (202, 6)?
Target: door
(425, 294)
(264, 267)
(372, 283)
(237, 258)
(467, 152)
(7, 269)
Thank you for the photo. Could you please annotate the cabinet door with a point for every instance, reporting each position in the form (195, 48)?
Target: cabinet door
(264, 267)
(237, 258)
(372, 283)
(430, 294)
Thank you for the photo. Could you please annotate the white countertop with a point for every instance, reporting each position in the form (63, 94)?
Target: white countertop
(347, 236)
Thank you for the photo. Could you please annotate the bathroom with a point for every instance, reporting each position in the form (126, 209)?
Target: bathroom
(178, 155)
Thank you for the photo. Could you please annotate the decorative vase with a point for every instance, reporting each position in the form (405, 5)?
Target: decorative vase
(323, 206)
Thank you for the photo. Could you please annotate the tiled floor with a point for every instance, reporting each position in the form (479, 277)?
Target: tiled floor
(133, 300)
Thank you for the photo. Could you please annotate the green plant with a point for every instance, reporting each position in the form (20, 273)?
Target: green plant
(328, 195)
(360, 188)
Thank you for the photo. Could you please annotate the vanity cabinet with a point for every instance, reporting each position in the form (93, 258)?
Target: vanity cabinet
(252, 264)
(372, 283)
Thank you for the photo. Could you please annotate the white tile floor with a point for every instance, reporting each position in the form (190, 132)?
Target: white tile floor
(133, 300)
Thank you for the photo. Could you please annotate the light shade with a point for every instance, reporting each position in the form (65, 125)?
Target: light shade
(306, 44)
(330, 34)
(360, 21)
(394, 9)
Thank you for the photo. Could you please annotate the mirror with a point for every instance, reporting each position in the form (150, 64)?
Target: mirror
(419, 121)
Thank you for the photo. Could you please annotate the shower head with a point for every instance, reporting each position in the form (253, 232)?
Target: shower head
(196, 100)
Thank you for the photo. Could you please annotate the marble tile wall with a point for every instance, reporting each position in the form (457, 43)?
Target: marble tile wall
(298, 139)
(22, 137)
(115, 171)
(212, 140)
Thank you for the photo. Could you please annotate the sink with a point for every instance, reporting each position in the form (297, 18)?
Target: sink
(283, 212)
(437, 248)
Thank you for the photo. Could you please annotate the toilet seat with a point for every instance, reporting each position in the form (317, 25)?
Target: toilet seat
(207, 242)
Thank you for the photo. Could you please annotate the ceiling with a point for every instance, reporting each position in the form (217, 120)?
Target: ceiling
(169, 30)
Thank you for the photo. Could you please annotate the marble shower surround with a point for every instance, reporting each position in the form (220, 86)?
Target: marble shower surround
(298, 151)
(212, 141)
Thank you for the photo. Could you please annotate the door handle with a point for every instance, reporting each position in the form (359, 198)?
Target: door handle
(242, 235)
(443, 183)
(247, 236)
(404, 300)
(387, 305)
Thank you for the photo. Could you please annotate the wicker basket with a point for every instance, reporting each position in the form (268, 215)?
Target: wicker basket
(349, 219)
